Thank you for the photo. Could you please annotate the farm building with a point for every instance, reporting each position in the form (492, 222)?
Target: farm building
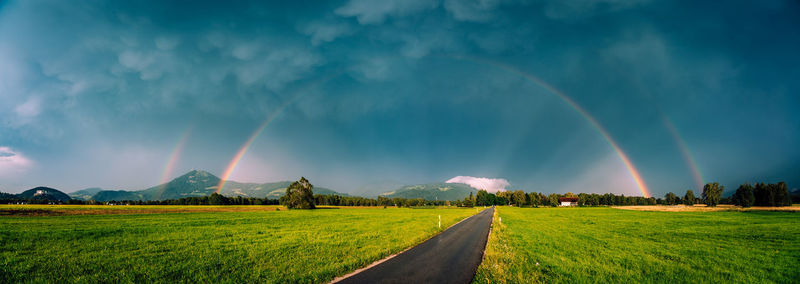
(568, 201)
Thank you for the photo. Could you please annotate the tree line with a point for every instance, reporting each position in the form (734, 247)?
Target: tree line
(761, 194)
(539, 199)
(338, 200)
(300, 195)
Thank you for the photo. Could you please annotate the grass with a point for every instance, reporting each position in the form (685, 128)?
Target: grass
(56, 210)
(254, 244)
(703, 207)
(579, 245)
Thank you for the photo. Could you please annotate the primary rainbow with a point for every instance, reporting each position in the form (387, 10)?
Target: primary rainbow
(243, 149)
(637, 178)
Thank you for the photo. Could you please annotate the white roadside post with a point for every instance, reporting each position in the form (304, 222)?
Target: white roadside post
(440, 221)
(500, 219)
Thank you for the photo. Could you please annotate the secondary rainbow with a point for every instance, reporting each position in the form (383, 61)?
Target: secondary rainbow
(687, 155)
(637, 178)
(173, 160)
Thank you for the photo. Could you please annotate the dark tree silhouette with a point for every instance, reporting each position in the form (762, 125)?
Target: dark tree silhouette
(689, 198)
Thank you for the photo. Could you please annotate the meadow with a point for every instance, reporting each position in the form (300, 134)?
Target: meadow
(204, 243)
(578, 245)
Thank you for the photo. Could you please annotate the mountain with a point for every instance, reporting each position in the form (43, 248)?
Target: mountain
(433, 191)
(202, 183)
(193, 183)
(373, 189)
(44, 193)
(108, 195)
(85, 194)
(271, 190)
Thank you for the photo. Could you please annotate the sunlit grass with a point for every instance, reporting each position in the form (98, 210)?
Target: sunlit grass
(256, 246)
(578, 245)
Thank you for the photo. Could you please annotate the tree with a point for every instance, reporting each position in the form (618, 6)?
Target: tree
(761, 193)
(689, 198)
(482, 198)
(553, 199)
(782, 197)
(468, 201)
(744, 196)
(712, 193)
(299, 195)
(528, 200)
(518, 197)
(671, 198)
(504, 197)
(217, 199)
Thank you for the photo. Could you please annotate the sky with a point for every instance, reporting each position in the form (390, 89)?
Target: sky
(632, 97)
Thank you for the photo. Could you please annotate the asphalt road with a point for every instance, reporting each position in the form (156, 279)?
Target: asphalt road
(452, 256)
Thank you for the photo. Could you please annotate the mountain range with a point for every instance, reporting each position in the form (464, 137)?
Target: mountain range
(193, 184)
(202, 183)
(433, 191)
(197, 183)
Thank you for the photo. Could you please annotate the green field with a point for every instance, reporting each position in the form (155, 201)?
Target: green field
(250, 245)
(622, 246)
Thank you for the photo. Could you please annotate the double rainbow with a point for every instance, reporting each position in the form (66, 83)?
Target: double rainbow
(637, 177)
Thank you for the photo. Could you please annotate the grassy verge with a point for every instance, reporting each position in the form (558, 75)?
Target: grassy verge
(497, 256)
(612, 245)
(251, 246)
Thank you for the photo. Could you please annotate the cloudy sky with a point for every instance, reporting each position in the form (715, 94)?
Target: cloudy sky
(362, 92)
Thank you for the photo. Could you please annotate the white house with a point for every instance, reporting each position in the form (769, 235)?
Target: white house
(568, 201)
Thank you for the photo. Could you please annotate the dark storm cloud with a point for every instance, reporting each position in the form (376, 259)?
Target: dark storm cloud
(99, 92)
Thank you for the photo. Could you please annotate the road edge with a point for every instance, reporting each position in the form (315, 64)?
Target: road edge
(488, 237)
(357, 271)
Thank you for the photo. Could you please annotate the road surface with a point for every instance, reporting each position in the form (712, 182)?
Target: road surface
(452, 256)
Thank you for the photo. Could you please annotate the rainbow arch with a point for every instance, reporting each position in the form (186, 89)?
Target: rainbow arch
(169, 167)
(249, 142)
(697, 176)
(637, 177)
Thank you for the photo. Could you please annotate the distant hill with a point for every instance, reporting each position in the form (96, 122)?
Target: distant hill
(272, 190)
(107, 195)
(6, 196)
(193, 183)
(85, 194)
(373, 189)
(44, 193)
(433, 191)
(202, 183)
